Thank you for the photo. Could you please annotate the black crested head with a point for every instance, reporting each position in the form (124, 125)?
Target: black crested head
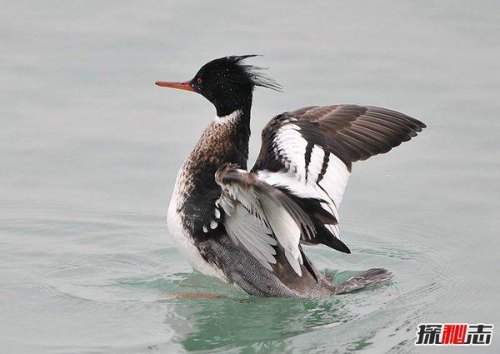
(228, 83)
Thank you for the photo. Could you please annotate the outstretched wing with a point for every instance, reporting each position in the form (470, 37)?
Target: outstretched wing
(292, 194)
(308, 154)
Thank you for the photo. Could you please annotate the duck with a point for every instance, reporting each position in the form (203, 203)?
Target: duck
(249, 227)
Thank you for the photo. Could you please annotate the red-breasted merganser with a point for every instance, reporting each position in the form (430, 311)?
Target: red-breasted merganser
(248, 227)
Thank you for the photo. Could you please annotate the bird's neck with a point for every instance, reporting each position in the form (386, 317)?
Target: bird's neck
(224, 141)
(228, 137)
(235, 129)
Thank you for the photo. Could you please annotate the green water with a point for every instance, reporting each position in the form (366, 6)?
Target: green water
(89, 151)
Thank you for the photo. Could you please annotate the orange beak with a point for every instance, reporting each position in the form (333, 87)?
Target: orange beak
(176, 85)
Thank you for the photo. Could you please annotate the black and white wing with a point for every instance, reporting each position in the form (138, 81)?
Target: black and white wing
(294, 190)
(259, 216)
(309, 153)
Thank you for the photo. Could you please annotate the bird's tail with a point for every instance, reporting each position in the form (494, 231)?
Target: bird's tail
(374, 276)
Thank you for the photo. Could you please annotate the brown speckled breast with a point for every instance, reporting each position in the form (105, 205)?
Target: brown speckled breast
(222, 142)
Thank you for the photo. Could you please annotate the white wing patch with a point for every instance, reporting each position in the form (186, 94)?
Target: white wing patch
(290, 146)
(251, 232)
(286, 230)
(335, 179)
(253, 216)
(316, 162)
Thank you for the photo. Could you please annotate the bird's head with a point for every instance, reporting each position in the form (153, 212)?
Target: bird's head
(226, 82)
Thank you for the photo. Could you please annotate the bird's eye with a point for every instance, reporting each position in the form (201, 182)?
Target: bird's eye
(199, 80)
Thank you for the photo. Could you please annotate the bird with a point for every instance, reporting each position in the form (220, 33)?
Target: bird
(248, 228)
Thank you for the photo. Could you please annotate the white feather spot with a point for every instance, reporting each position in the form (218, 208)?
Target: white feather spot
(316, 162)
(286, 230)
(213, 224)
(292, 146)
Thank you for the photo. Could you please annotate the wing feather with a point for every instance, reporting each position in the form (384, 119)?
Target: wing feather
(293, 192)
(309, 152)
(268, 211)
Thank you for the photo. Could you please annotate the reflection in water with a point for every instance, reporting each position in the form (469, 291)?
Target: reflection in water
(210, 324)
(260, 323)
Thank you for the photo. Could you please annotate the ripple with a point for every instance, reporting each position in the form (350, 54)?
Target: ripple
(92, 263)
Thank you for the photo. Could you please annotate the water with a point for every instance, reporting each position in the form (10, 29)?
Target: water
(89, 150)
